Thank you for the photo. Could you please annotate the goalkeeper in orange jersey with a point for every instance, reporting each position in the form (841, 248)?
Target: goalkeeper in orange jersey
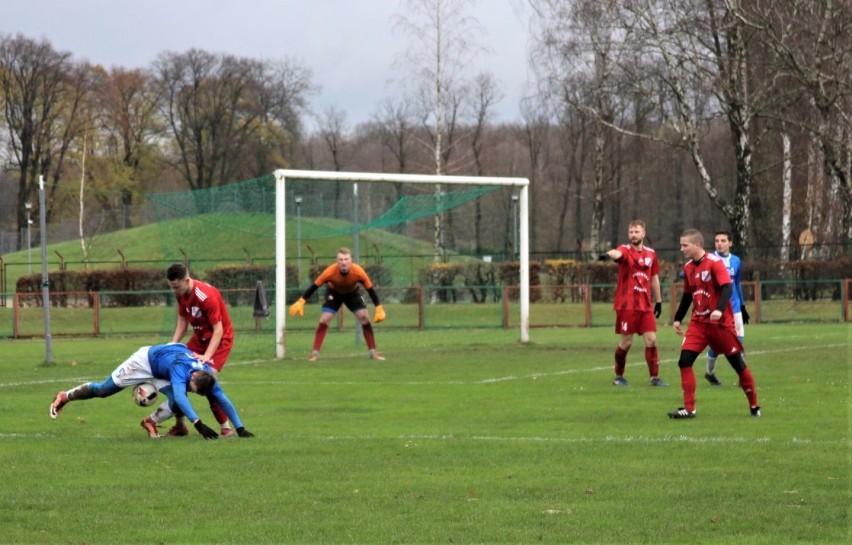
(341, 288)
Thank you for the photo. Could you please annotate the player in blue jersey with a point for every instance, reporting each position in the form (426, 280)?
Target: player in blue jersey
(174, 370)
(723, 241)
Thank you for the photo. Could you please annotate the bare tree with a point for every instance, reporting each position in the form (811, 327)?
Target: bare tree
(442, 45)
(811, 42)
(578, 63)
(484, 96)
(334, 132)
(217, 107)
(42, 91)
(130, 125)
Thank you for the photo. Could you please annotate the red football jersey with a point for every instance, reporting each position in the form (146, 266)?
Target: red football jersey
(635, 270)
(203, 307)
(704, 280)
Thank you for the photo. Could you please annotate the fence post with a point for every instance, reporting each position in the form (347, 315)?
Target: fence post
(96, 304)
(505, 307)
(16, 318)
(757, 290)
(422, 322)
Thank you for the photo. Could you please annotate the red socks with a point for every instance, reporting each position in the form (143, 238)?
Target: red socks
(653, 361)
(218, 411)
(687, 382)
(319, 337)
(747, 384)
(620, 361)
(368, 336)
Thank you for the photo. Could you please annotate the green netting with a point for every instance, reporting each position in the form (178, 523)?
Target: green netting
(236, 207)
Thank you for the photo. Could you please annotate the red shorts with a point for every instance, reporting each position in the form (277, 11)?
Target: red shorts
(634, 322)
(220, 357)
(723, 340)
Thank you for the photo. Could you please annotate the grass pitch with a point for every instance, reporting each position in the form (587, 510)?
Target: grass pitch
(459, 437)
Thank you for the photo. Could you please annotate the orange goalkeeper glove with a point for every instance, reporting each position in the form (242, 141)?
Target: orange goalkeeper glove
(298, 308)
(380, 314)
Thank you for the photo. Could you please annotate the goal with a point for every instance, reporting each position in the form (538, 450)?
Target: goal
(396, 216)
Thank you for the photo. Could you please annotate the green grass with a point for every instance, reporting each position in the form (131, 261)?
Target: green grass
(461, 436)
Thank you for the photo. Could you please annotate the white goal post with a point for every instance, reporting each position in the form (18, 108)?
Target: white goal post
(281, 176)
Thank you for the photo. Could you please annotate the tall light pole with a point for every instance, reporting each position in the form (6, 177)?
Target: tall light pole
(29, 207)
(514, 225)
(299, 235)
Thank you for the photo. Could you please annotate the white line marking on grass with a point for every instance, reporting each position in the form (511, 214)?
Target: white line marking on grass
(607, 439)
(71, 380)
(626, 439)
(491, 380)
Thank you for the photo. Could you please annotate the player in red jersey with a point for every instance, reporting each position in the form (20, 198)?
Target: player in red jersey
(638, 284)
(201, 306)
(341, 281)
(707, 287)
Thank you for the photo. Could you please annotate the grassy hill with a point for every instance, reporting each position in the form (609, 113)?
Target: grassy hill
(220, 239)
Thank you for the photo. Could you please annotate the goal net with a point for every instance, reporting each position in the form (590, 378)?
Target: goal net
(440, 204)
(425, 241)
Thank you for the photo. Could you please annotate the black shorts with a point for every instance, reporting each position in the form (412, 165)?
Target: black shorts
(354, 301)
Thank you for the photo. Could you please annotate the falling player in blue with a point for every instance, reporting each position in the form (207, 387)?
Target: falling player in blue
(723, 241)
(174, 370)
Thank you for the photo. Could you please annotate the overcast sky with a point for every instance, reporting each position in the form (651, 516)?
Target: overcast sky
(349, 45)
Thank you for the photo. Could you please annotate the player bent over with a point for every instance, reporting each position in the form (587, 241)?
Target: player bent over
(707, 287)
(174, 370)
(341, 281)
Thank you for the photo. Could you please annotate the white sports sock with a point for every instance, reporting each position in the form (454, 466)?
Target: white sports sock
(162, 413)
(711, 365)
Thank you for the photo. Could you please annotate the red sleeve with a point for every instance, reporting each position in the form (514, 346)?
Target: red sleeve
(213, 307)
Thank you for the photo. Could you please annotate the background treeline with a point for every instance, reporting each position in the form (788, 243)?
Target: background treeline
(684, 113)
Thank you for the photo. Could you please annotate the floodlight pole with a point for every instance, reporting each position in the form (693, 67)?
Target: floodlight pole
(515, 205)
(29, 207)
(299, 235)
(356, 245)
(45, 282)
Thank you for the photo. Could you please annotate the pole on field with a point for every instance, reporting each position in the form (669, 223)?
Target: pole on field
(45, 282)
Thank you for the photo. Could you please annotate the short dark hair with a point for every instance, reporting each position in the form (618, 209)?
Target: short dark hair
(726, 233)
(204, 382)
(176, 271)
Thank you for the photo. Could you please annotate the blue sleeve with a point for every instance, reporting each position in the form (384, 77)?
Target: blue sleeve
(736, 264)
(219, 394)
(179, 381)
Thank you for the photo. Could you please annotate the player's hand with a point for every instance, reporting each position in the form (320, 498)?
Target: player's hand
(380, 314)
(242, 432)
(658, 309)
(205, 431)
(745, 315)
(298, 308)
(678, 330)
(604, 257)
